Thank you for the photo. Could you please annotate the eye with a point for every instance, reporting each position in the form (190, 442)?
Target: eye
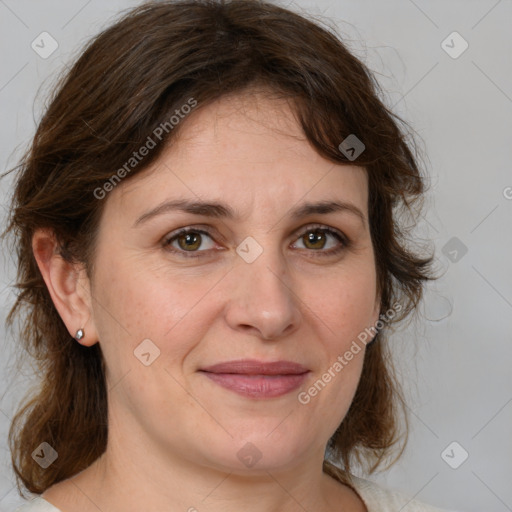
(326, 241)
(189, 240)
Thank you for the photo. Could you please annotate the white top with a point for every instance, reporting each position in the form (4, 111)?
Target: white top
(375, 497)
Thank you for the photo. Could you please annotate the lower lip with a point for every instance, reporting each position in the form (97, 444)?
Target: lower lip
(258, 386)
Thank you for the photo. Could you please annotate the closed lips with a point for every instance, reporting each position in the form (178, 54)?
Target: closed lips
(254, 367)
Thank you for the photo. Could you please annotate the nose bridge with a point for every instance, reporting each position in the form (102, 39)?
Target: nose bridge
(263, 299)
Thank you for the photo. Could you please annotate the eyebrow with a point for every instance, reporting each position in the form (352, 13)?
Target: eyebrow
(219, 210)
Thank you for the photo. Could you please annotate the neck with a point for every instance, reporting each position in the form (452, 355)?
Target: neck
(122, 480)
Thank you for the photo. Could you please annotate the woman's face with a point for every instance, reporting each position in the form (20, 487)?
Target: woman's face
(258, 283)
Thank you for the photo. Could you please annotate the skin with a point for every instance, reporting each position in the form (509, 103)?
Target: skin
(173, 433)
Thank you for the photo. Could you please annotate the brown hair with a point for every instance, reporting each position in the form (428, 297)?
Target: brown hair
(127, 81)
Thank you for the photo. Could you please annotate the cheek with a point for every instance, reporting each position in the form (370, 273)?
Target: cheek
(133, 305)
(344, 303)
(135, 297)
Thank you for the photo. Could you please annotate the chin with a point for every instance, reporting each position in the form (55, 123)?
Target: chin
(259, 452)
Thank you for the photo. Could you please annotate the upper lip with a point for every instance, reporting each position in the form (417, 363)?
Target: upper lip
(255, 367)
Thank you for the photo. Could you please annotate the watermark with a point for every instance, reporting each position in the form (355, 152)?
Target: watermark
(145, 149)
(454, 45)
(45, 455)
(507, 192)
(454, 455)
(44, 45)
(249, 455)
(146, 352)
(454, 249)
(352, 147)
(249, 250)
(364, 337)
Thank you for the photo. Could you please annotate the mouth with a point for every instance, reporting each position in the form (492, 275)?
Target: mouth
(257, 379)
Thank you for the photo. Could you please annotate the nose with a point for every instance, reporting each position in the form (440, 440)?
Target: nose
(262, 300)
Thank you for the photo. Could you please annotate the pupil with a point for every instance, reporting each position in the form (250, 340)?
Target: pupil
(316, 237)
(191, 241)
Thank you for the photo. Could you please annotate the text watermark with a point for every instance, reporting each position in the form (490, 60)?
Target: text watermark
(144, 150)
(364, 337)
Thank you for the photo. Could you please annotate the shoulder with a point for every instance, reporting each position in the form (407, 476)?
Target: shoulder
(375, 497)
(380, 499)
(37, 505)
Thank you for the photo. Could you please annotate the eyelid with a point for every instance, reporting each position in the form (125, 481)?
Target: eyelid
(321, 227)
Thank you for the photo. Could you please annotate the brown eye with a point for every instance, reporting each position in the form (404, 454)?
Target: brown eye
(314, 239)
(322, 240)
(189, 241)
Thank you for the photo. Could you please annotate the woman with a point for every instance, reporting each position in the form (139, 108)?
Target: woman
(209, 257)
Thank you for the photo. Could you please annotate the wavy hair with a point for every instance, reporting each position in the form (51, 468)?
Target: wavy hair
(128, 80)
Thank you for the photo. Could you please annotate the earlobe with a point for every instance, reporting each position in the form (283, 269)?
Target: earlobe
(67, 284)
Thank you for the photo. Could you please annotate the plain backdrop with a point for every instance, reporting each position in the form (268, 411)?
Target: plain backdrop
(446, 67)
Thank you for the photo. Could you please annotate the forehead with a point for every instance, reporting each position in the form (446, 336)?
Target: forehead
(248, 150)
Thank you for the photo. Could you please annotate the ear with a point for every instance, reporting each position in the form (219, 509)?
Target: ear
(68, 285)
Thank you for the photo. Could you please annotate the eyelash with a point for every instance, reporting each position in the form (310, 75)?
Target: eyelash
(345, 242)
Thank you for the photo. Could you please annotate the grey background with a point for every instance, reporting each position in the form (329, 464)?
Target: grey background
(454, 359)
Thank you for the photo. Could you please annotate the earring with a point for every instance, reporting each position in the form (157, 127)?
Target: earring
(79, 334)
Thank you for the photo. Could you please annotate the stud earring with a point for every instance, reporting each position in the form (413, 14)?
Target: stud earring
(79, 334)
